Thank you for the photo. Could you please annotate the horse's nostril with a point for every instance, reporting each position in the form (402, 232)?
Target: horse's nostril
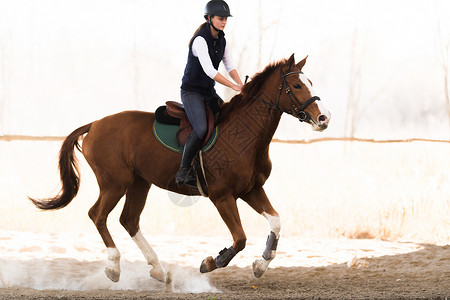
(322, 119)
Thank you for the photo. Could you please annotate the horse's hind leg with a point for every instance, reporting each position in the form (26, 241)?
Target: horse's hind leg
(110, 194)
(258, 200)
(134, 204)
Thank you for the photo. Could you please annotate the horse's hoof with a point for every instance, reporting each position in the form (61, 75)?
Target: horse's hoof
(158, 274)
(258, 268)
(169, 283)
(208, 265)
(114, 276)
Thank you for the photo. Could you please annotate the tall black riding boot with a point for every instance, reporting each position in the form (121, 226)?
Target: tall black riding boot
(184, 175)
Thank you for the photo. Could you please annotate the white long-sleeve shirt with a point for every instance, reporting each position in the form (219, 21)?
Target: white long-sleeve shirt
(200, 50)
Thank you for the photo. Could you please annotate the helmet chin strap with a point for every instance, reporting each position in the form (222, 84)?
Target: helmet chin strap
(210, 23)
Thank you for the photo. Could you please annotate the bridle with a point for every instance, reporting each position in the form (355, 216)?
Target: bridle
(297, 108)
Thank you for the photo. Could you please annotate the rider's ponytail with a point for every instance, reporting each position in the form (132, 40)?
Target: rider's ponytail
(198, 29)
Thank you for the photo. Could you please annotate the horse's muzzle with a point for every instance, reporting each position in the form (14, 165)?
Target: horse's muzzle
(321, 124)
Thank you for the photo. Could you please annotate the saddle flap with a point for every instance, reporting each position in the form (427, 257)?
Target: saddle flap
(186, 127)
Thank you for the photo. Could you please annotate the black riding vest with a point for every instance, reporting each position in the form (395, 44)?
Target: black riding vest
(194, 78)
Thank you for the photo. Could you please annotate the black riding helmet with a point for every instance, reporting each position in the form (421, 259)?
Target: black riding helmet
(217, 8)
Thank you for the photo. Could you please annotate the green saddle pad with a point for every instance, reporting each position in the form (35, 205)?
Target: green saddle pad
(167, 136)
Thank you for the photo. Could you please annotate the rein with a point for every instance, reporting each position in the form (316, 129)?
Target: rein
(298, 109)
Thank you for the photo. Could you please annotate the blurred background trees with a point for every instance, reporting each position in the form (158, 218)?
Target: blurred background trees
(379, 66)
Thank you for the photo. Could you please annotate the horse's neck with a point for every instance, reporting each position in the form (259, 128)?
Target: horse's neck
(255, 122)
(267, 118)
(264, 111)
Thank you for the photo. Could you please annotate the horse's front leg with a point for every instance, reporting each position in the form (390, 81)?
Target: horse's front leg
(228, 210)
(258, 200)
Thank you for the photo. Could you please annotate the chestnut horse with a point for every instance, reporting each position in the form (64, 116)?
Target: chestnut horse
(127, 159)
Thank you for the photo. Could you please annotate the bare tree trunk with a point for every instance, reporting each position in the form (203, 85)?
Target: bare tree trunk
(136, 70)
(444, 43)
(245, 52)
(263, 29)
(2, 88)
(260, 35)
(5, 88)
(5, 76)
(354, 88)
(446, 92)
(445, 61)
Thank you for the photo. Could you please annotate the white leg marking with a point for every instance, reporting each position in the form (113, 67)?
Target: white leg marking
(260, 265)
(157, 271)
(146, 249)
(112, 270)
(275, 224)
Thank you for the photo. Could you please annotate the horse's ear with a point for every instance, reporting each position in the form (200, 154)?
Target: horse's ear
(302, 63)
(290, 62)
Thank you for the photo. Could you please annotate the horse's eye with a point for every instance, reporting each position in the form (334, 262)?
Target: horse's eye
(297, 86)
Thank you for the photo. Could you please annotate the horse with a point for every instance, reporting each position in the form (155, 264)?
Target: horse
(127, 159)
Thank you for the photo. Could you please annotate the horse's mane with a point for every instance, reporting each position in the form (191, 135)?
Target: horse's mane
(250, 89)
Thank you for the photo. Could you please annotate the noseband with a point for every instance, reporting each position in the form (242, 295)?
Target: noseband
(297, 109)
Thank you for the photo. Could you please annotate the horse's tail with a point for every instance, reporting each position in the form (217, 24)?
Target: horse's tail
(69, 174)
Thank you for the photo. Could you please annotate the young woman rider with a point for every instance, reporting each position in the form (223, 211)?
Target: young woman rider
(207, 49)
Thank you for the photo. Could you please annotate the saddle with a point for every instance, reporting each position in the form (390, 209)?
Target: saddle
(173, 113)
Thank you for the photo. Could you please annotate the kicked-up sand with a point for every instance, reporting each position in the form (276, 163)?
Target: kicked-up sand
(36, 266)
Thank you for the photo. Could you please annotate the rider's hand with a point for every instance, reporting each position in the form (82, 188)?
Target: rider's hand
(236, 87)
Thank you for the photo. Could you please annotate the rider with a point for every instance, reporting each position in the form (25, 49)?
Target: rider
(207, 48)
